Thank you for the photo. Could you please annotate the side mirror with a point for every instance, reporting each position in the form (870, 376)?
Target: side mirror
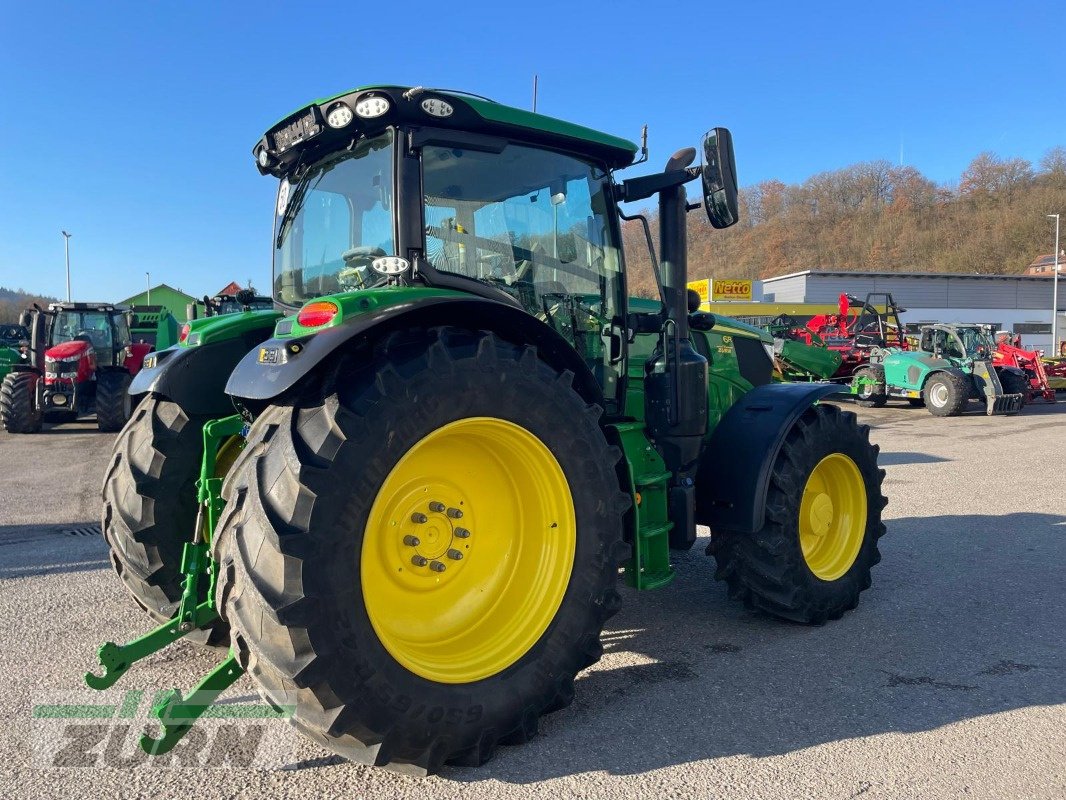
(720, 178)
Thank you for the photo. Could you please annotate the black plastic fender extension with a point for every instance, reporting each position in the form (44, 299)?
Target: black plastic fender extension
(195, 377)
(277, 365)
(734, 472)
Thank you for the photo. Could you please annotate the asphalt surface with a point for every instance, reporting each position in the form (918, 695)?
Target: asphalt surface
(949, 680)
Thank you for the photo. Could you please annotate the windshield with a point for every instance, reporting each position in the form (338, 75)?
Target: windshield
(976, 342)
(89, 326)
(333, 222)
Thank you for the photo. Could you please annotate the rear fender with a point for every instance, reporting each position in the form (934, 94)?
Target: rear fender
(734, 471)
(279, 364)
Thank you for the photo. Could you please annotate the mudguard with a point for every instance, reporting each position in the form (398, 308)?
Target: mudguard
(278, 364)
(195, 377)
(734, 472)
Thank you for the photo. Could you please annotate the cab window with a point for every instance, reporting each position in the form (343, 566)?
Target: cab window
(537, 225)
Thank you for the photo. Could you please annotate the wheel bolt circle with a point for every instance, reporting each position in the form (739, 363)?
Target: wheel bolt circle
(419, 518)
(437, 566)
(419, 561)
(436, 507)
(455, 513)
(461, 533)
(411, 541)
(455, 555)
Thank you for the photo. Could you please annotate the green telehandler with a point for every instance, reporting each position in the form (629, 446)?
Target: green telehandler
(952, 366)
(405, 497)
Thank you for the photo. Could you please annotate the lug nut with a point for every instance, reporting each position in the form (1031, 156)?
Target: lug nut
(436, 507)
(455, 513)
(419, 518)
(462, 533)
(454, 555)
(437, 566)
(411, 541)
(419, 561)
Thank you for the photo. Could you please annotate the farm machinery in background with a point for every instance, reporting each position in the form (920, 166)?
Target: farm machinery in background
(952, 365)
(80, 360)
(14, 347)
(835, 346)
(1009, 353)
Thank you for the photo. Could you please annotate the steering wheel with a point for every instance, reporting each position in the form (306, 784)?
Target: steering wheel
(356, 272)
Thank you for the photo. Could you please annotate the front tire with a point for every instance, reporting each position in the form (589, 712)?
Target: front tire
(18, 403)
(946, 394)
(149, 513)
(113, 404)
(812, 557)
(343, 502)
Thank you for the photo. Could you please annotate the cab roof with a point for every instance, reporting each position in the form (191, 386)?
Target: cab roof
(304, 133)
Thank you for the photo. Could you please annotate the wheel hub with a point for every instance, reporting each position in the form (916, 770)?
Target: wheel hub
(429, 534)
(832, 518)
(821, 515)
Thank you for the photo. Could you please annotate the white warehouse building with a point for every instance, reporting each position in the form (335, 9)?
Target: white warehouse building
(1018, 303)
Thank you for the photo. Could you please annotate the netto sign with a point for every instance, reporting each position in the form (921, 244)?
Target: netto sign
(730, 290)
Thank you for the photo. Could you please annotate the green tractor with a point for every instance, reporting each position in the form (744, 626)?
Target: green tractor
(457, 431)
(952, 366)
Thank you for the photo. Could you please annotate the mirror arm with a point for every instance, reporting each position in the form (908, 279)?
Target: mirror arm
(647, 185)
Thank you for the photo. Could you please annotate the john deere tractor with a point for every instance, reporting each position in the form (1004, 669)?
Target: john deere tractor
(405, 498)
(952, 366)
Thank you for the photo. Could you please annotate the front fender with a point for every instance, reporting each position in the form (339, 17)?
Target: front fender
(195, 377)
(279, 364)
(734, 472)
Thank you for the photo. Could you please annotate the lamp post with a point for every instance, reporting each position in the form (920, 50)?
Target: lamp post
(148, 285)
(1055, 292)
(66, 248)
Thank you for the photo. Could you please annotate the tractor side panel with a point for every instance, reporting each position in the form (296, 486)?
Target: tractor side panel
(734, 472)
(910, 370)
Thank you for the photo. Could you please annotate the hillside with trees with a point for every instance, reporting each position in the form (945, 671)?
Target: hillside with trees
(14, 301)
(876, 216)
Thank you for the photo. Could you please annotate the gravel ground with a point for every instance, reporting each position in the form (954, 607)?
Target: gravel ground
(948, 681)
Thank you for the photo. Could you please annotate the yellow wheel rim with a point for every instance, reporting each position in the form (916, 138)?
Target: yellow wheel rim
(832, 519)
(468, 550)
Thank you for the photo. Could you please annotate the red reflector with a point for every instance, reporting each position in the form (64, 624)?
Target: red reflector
(315, 315)
(184, 332)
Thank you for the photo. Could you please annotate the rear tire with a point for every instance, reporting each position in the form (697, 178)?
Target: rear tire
(113, 404)
(774, 570)
(871, 396)
(1013, 383)
(298, 549)
(150, 507)
(18, 403)
(946, 394)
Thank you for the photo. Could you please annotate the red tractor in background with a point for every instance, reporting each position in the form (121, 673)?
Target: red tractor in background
(858, 326)
(1009, 353)
(81, 361)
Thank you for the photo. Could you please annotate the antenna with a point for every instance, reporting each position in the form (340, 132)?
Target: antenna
(643, 147)
(534, 93)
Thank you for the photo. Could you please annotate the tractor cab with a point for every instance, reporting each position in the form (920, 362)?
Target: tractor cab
(957, 342)
(387, 186)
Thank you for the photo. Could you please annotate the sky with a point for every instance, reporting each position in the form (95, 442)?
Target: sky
(130, 125)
